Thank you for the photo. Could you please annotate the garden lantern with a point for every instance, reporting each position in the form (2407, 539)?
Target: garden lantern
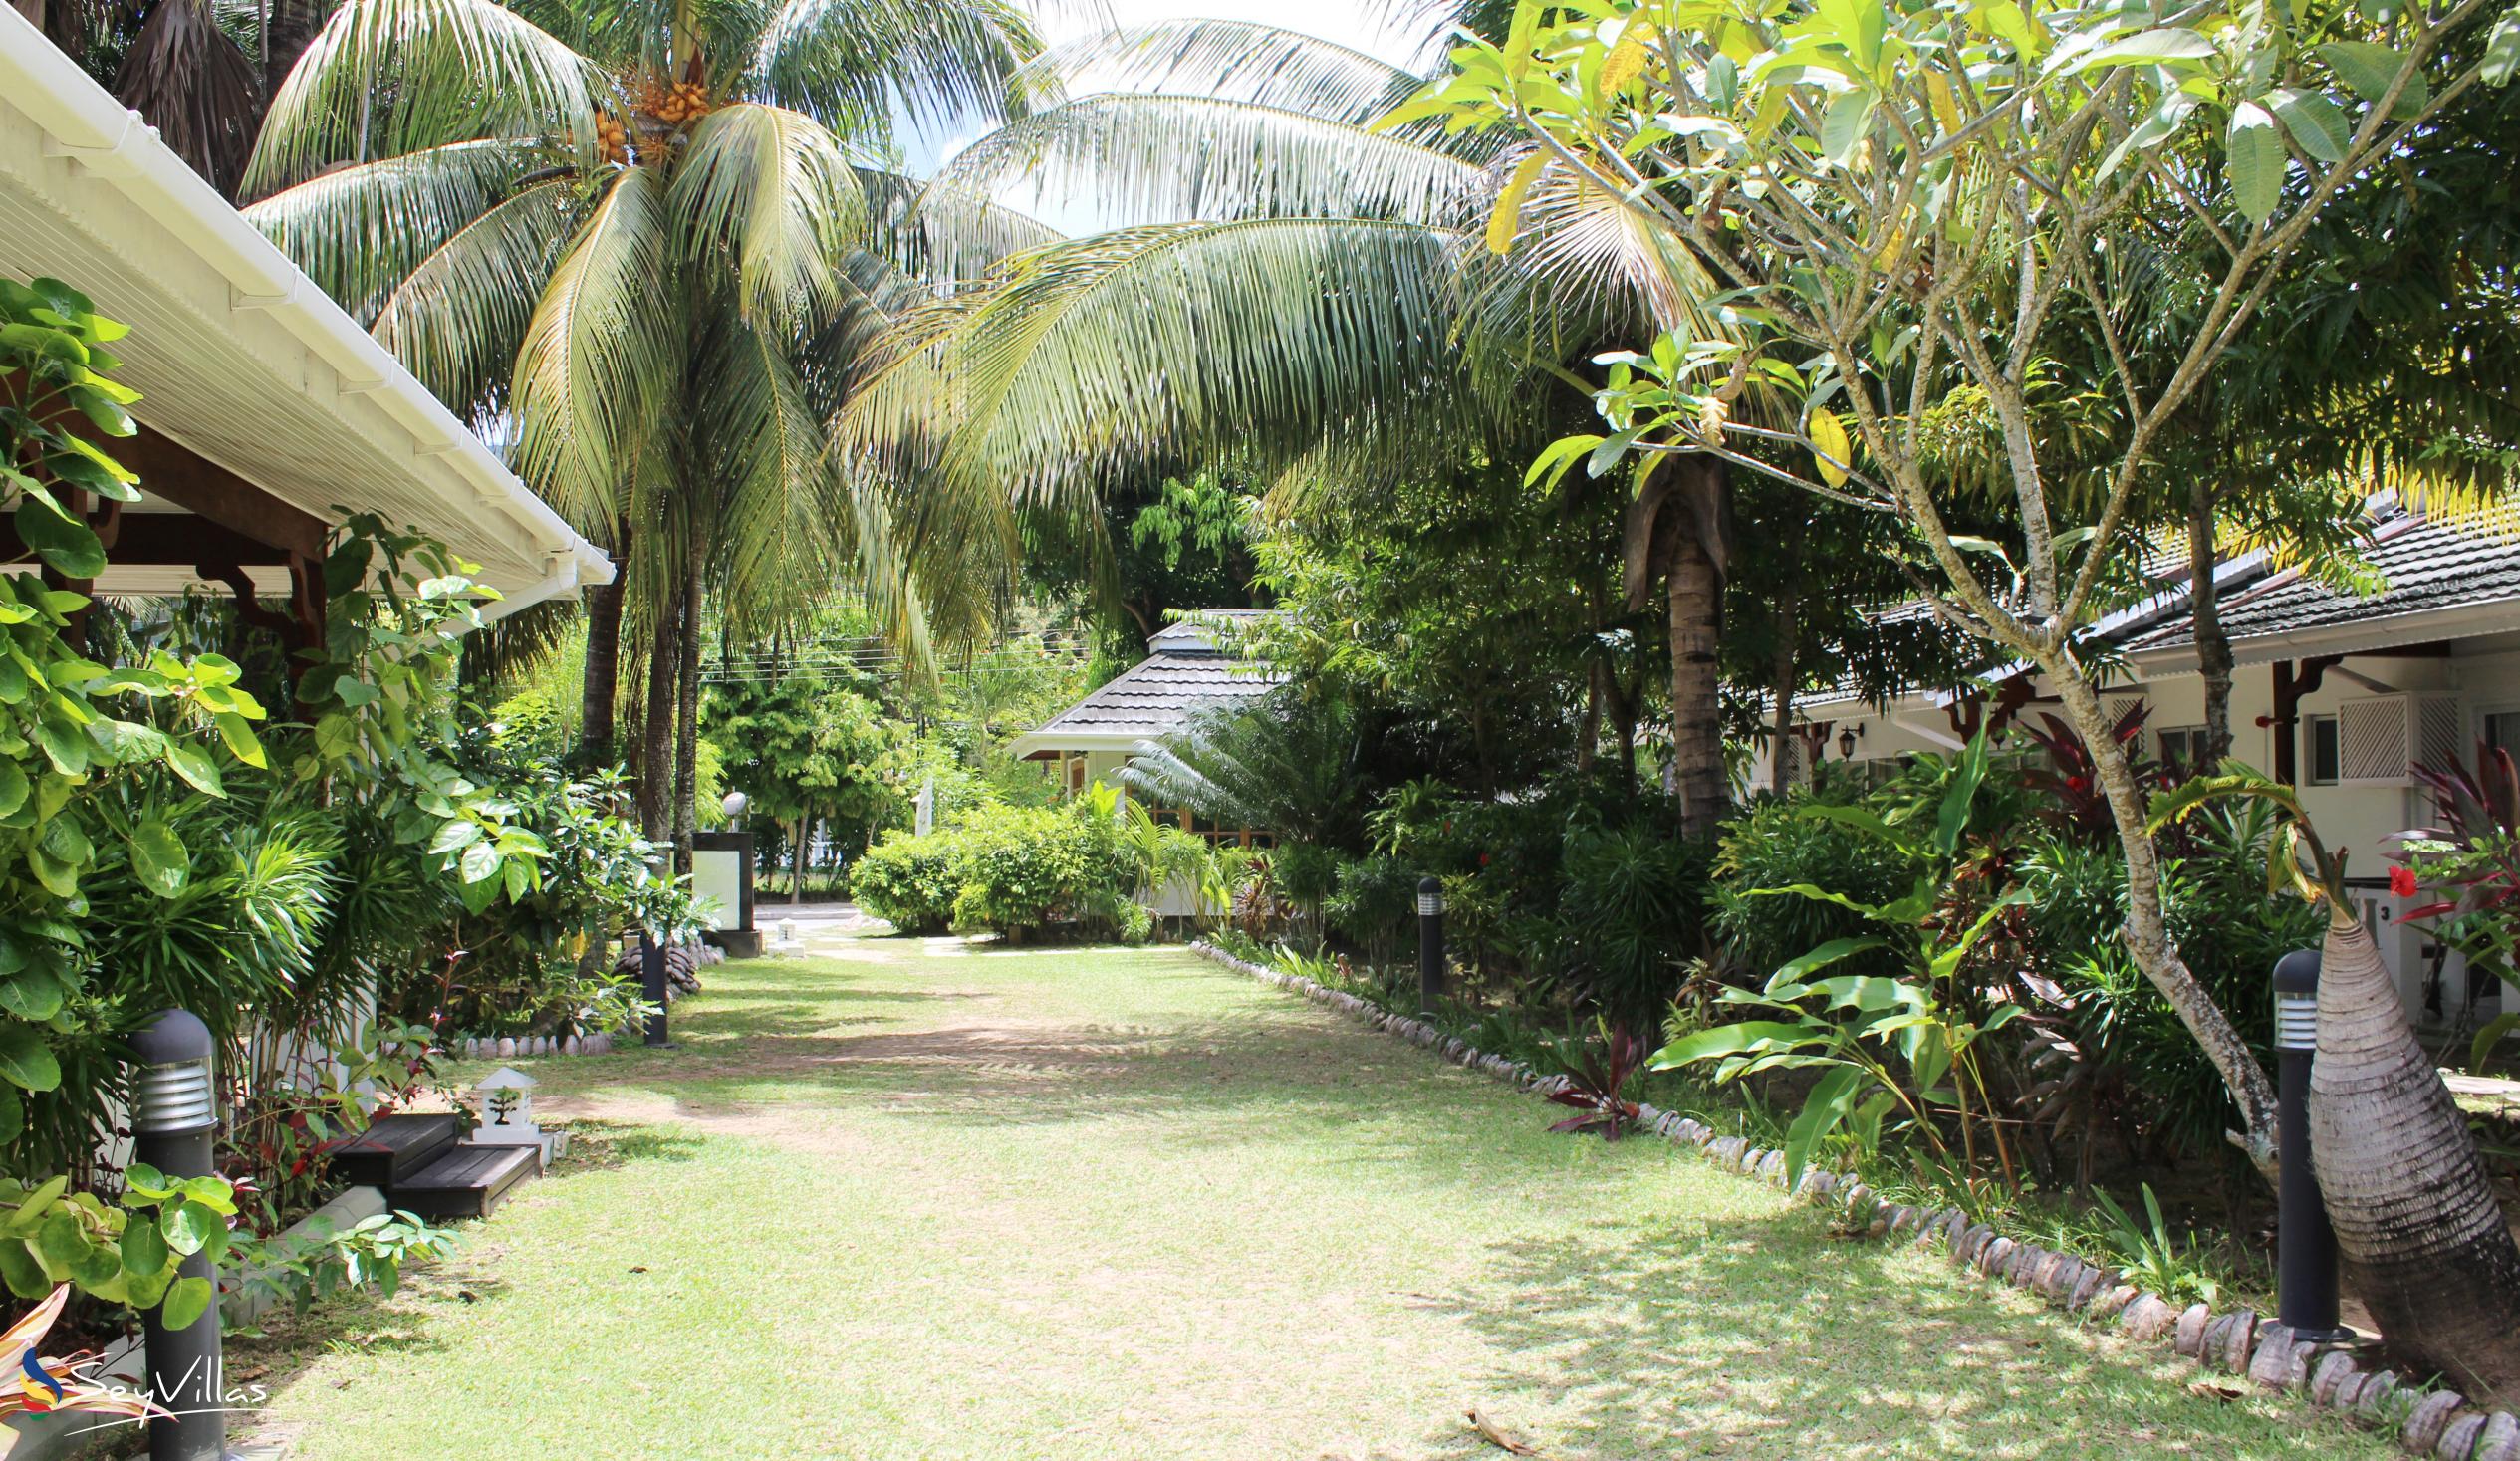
(2305, 1244)
(174, 1115)
(507, 1106)
(733, 806)
(1430, 944)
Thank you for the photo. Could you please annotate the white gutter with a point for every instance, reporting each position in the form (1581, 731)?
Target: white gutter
(112, 144)
(2363, 637)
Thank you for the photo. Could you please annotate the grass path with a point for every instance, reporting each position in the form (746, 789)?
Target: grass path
(911, 1200)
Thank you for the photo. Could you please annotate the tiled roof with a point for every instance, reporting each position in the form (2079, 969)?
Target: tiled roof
(1161, 694)
(2427, 567)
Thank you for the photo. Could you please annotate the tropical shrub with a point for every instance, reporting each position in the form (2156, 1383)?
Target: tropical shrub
(1023, 869)
(911, 881)
(1632, 907)
(1777, 844)
(1374, 905)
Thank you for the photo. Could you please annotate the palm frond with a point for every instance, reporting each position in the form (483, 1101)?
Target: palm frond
(944, 233)
(359, 231)
(1273, 765)
(780, 514)
(1173, 343)
(853, 64)
(459, 318)
(388, 76)
(603, 347)
(1155, 159)
(195, 85)
(770, 190)
(1230, 59)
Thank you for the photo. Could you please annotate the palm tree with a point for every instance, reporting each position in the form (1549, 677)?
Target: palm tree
(1296, 291)
(638, 243)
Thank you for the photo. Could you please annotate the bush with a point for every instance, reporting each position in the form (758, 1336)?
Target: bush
(1773, 846)
(911, 881)
(1632, 907)
(1375, 905)
(1023, 869)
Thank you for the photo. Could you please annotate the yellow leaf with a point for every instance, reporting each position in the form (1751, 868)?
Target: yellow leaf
(1831, 439)
(1627, 61)
(1771, 111)
(1946, 107)
(1711, 420)
(1506, 220)
(1887, 254)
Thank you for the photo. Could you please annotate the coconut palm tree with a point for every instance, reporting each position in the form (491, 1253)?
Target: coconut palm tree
(631, 238)
(1291, 288)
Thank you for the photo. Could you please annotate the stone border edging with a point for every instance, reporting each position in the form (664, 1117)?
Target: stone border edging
(506, 1046)
(2438, 1423)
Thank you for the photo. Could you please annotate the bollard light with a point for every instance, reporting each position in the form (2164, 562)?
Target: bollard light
(2306, 1288)
(1430, 944)
(174, 1115)
(735, 806)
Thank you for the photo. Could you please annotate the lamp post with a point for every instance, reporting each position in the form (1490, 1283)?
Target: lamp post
(2305, 1244)
(1430, 944)
(174, 1113)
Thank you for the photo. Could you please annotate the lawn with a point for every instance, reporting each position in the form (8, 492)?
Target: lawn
(918, 1200)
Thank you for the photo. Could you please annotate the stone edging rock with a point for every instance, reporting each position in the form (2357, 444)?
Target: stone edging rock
(2437, 1423)
(502, 1047)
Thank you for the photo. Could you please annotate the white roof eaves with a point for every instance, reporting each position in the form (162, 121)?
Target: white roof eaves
(372, 395)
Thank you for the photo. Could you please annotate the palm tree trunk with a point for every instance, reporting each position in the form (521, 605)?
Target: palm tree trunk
(2423, 1237)
(2213, 646)
(1782, 681)
(655, 756)
(686, 740)
(600, 688)
(1694, 596)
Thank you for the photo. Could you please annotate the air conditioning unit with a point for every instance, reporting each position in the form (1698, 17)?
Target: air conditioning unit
(2381, 739)
(1795, 754)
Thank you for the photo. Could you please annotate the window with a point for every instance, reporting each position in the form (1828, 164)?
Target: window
(2502, 730)
(2184, 746)
(2319, 750)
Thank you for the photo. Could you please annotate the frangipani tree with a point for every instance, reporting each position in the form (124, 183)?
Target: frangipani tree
(1914, 209)
(638, 240)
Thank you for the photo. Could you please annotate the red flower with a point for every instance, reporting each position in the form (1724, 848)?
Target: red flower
(2078, 784)
(1483, 859)
(2401, 882)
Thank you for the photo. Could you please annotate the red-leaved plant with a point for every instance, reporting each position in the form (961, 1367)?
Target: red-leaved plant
(1597, 1072)
(2472, 864)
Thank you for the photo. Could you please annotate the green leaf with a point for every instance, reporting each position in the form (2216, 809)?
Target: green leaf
(2155, 129)
(1821, 957)
(239, 735)
(480, 862)
(2145, 48)
(1823, 1110)
(191, 1227)
(2368, 69)
(25, 1060)
(187, 1299)
(455, 835)
(1725, 1039)
(1968, 771)
(2256, 161)
(2314, 121)
(61, 1241)
(2502, 50)
(63, 542)
(160, 858)
(196, 769)
(1842, 126)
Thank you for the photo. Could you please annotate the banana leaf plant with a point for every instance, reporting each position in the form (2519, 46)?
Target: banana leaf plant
(1904, 1043)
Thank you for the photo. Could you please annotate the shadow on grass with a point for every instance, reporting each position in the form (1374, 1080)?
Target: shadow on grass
(603, 1147)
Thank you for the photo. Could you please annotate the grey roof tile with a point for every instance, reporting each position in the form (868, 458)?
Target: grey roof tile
(2427, 567)
(1161, 693)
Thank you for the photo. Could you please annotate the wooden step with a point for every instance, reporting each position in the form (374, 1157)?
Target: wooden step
(394, 1147)
(466, 1182)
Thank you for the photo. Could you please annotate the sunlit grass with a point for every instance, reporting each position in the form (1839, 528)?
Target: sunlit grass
(917, 1202)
